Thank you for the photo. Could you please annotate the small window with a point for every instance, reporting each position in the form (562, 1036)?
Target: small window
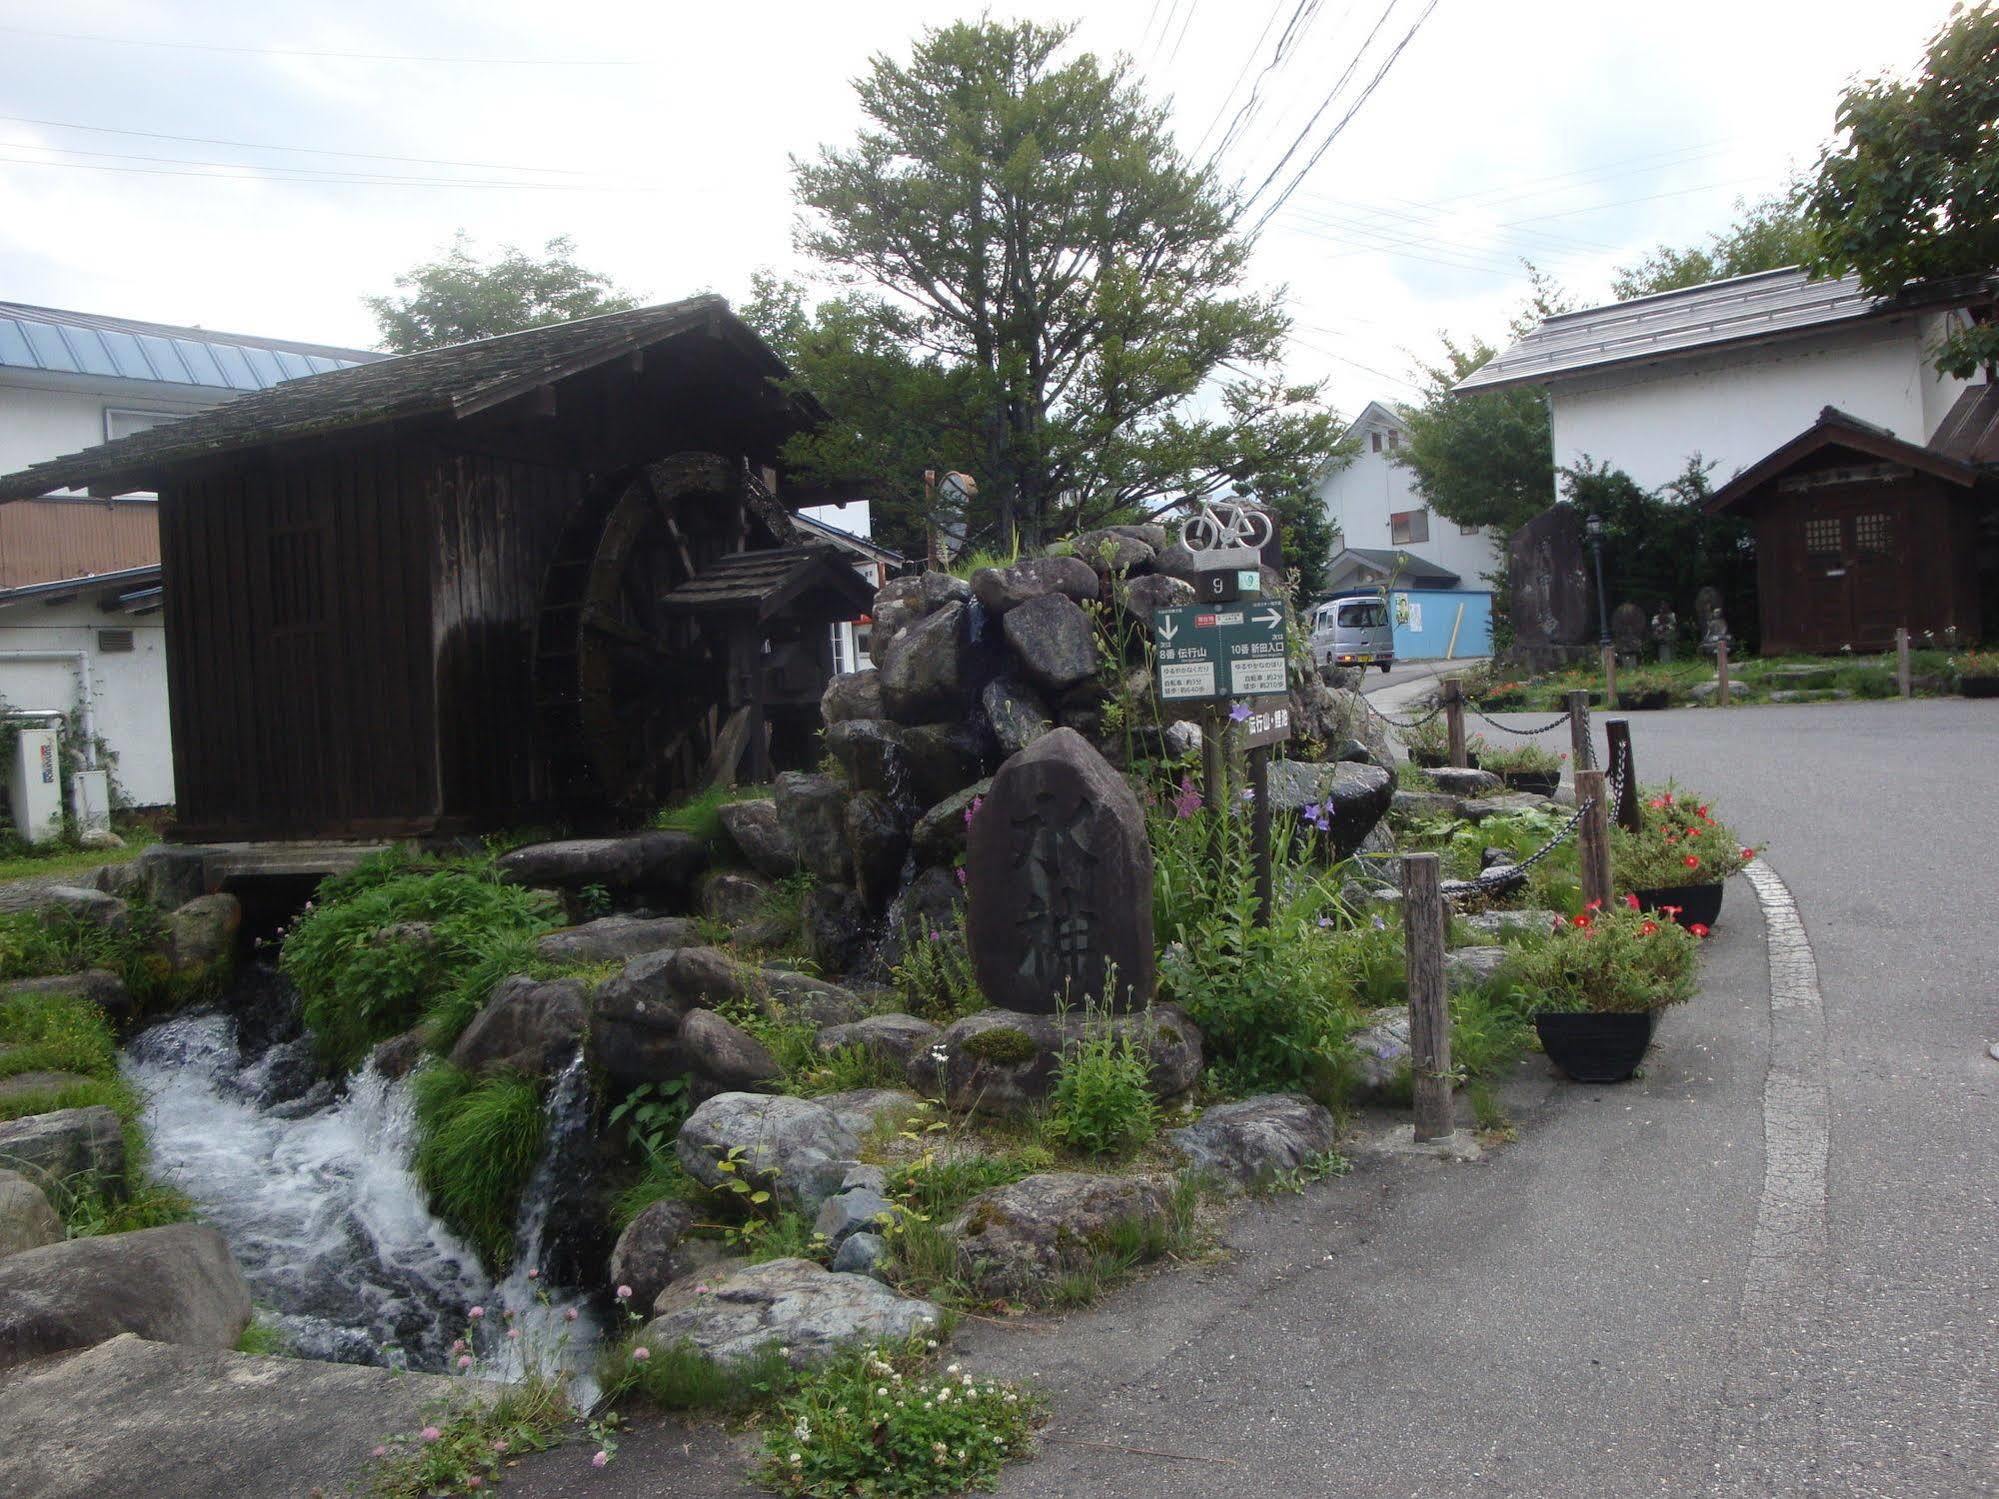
(1367, 615)
(1468, 530)
(1394, 441)
(1822, 536)
(1873, 533)
(114, 642)
(120, 423)
(1374, 441)
(1405, 526)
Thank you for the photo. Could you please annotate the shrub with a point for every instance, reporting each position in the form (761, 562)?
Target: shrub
(882, 1422)
(1617, 960)
(934, 979)
(1521, 759)
(365, 974)
(35, 943)
(477, 1140)
(1678, 843)
(1271, 1004)
(1102, 1102)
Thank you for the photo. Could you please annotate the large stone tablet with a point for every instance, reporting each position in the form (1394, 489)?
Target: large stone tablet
(1059, 883)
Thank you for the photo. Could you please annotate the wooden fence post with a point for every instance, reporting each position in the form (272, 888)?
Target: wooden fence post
(1902, 661)
(1579, 745)
(1722, 695)
(1259, 819)
(1453, 691)
(1593, 837)
(1609, 654)
(1424, 921)
(1617, 737)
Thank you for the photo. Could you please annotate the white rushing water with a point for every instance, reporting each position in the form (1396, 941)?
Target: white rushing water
(326, 1218)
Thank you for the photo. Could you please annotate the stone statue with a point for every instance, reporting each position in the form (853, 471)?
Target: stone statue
(1716, 633)
(1627, 628)
(1665, 630)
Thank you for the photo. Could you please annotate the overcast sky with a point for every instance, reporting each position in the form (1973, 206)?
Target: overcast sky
(1577, 133)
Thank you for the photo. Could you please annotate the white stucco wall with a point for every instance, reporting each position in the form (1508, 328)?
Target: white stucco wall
(1360, 497)
(1734, 407)
(130, 689)
(46, 416)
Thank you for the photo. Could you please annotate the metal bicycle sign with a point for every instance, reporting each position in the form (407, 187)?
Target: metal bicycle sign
(1206, 653)
(1215, 527)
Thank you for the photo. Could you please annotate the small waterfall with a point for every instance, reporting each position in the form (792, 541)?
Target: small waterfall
(331, 1226)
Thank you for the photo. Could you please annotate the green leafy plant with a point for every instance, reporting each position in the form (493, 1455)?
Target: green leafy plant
(679, 1377)
(465, 1446)
(595, 900)
(1679, 842)
(1102, 1104)
(701, 814)
(477, 1140)
(1521, 759)
(934, 979)
(1613, 960)
(652, 1114)
(1430, 741)
(887, 1422)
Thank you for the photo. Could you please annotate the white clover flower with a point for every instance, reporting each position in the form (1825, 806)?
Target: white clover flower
(950, 1368)
(802, 1429)
(797, 1458)
(881, 1389)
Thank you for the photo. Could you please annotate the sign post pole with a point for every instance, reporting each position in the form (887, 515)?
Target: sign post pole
(1259, 790)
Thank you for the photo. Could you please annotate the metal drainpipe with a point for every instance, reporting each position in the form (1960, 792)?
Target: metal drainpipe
(86, 702)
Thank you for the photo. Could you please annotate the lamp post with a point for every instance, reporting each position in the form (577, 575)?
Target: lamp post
(1593, 528)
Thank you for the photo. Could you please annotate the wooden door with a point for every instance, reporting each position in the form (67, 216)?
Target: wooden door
(1852, 586)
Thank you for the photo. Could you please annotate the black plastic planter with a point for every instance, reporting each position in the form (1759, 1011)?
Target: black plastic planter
(1539, 782)
(1646, 700)
(1978, 686)
(1593, 1048)
(1429, 760)
(1698, 904)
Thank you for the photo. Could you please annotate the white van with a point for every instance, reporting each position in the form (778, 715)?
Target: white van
(1353, 631)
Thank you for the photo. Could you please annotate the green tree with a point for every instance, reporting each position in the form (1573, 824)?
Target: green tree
(1908, 190)
(1033, 261)
(1765, 236)
(454, 298)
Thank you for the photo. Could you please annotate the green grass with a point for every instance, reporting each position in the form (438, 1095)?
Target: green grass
(21, 861)
(682, 1378)
(38, 943)
(662, 1179)
(477, 1140)
(263, 1339)
(701, 813)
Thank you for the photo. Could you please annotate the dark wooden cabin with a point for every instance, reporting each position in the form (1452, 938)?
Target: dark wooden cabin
(426, 595)
(1859, 533)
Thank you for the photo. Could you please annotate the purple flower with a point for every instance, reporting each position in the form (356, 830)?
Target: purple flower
(1188, 802)
(961, 875)
(973, 810)
(1249, 793)
(1239, 713)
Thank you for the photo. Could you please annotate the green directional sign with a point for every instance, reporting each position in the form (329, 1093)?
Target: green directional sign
(1208, 652)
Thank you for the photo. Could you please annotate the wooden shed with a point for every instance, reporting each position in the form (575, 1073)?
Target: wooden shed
(426, 595)
(1859, 533)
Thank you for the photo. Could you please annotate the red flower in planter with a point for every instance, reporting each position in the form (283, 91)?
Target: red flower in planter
(1631, 901)
(1582, 920)
(1671, 910)
(1748, 854)
(1699, 928)
(1658, 802)
(1648, 928)
(1693, 832)
(1595, 905)
(1692, 861)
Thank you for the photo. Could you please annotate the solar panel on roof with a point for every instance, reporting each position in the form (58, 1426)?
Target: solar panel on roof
(90, 352)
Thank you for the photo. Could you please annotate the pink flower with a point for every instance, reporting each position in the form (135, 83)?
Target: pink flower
(961, 875)
(641, 1353)
(500, 1446)
(476, 1313)
(431, 1433)
(457, 1345)
(532, 1275)
(513, 1332)
(701, 1290)
(475, 1482)
(464, 1360)
(569, 1314)
(381, 1452)
(624, 1293)
(600, 1459)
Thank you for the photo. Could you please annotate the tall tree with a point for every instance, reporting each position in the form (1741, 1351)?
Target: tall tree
(454, 298)
(1025, 244)
(1767, 234)
(1908, 190)
(1486, 458)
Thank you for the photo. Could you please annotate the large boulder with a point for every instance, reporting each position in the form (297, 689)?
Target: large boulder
(634, 1034)
(812, 811)
(1176, 560)
(853, 1210)
(930, 670)
(1425, 804)
(177, 1284)
(878, 842)
(940, 833)
(944, 758)
(1381, 1050)
(1247, 1144)
(890, 1039)
(90, 906)
(760, 837)
(999, 1062)
(903, 601)
(1015, 712)
(796, 1149)
(529, 1025)
(861, 1109)
(26, 1219)
(791, 1304)
(869, 752)
(611, 938)
(723, 1054)
(648, 1254)
(202, 934)
(165, 876)
(1467, 968)
(1462, 781)
(1054, 642)
(1114, 551)
(98, 986)
(1351, 797)
(731, 895)
(786, 994)
(1141, 597)
(1504, 804)
(134, 1416)
(1016, 1240)
(852, 694)
(47, 1148)
(663, 861)
(1002, 588)
(838, 927)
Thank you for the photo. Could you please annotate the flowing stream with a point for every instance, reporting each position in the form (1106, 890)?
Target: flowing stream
(327, 1219)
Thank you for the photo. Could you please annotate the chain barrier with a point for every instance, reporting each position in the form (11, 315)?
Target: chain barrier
(1414, 723)
(1510, 876)
(1508, 728)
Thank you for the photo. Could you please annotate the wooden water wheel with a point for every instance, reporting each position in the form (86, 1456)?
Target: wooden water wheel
(625, 693)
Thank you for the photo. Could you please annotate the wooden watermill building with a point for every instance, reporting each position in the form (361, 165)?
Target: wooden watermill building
(431, 594)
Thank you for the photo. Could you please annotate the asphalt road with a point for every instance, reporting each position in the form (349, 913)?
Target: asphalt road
(1767, 1267)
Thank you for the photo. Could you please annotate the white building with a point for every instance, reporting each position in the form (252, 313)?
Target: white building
(80, 627)
(1730, 371)
(1382, 524)
(850, 527)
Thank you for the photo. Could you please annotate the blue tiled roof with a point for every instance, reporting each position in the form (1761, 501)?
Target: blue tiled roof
(82, 343)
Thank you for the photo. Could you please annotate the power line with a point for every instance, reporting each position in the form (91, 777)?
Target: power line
(211, 140)
(496, 62)
(1192, 6)
(1339, 84)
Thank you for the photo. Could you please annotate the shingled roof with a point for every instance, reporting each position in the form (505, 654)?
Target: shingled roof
(763, 583)
(458, 381)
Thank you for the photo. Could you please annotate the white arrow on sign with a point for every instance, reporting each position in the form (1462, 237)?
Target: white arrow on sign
(1168, 630)
(1274, 617)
